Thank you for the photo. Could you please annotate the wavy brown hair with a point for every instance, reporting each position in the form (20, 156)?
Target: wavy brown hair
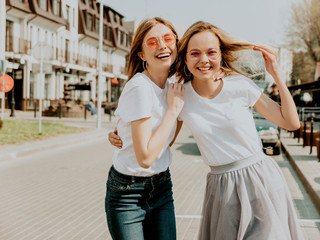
(228, 47)
(135, 62)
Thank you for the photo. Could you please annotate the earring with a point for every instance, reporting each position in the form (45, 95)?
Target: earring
(144, 65)
(185, 71)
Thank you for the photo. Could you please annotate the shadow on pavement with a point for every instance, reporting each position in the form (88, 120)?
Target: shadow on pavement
(304, 157)
(189, 149)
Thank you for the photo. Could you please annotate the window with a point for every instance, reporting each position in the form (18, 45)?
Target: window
(125, 39)
(97, 25)
(120, 37)
(46, 101)
(31, 90)
(91, 3)
(57, 7)
(68, 14)
(9, 36)
(43, 4)
(89, 21)
(74, 17)
(67, 54)
(105, 32)
(110, 34)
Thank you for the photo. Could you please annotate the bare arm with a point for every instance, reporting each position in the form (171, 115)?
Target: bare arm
(285, 116)
(147, 145)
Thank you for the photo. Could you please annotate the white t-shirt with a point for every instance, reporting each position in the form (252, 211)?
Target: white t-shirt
(141, 98)
(223, 126)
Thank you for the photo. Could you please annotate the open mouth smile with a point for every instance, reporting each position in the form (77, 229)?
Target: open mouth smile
(204, 68)
(163, 55)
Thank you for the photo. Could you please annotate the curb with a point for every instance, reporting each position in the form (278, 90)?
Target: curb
(312, 193)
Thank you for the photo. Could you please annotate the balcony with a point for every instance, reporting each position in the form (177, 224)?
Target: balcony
(107, 68)
(123, 70)
(86, 61)
(18, 45)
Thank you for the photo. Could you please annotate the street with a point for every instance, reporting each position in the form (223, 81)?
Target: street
(59, 194)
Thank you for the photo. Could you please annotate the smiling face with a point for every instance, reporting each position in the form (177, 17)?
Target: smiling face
(203, 56)
(159, 48)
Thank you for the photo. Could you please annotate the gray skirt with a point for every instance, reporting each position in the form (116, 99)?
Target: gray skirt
(248, 199)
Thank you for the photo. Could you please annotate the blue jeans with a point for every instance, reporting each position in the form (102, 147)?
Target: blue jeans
(140, 207)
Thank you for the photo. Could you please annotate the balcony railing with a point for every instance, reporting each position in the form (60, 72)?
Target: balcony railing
(107, 68)
(86, 61)
(22, 46)
(123, 70)
(18, 45)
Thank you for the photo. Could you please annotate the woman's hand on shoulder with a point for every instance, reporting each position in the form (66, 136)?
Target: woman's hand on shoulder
(114, 139)
(175, 97)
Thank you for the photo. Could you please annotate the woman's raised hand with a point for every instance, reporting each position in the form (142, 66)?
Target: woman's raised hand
(270, 59)
(175, 97)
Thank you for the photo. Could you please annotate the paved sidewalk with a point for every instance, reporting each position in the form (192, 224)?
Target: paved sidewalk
(306, 165)
(59, 198)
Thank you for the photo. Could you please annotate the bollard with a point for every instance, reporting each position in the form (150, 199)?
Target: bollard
(35, 109)
(60, 110)
(304, 131)
(85, 112)
(311, 136)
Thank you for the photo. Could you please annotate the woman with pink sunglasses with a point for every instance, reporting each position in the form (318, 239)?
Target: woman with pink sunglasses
(139, 202)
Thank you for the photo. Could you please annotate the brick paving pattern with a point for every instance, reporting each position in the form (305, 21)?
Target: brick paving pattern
(59, 193)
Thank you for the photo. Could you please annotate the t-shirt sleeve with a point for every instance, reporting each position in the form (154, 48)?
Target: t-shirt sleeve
(135, 102)
(253, 92)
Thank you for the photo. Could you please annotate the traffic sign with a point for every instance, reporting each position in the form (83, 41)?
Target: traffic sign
(8, 83)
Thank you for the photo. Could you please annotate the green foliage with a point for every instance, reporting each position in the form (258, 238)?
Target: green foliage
(18, 131)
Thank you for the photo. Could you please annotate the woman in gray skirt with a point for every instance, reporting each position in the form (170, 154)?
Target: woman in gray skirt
(246, 194)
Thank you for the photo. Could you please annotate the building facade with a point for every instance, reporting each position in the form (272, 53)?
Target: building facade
(65, 35)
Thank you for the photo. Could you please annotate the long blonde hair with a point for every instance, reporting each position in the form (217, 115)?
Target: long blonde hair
(228, 46)
(135, 63)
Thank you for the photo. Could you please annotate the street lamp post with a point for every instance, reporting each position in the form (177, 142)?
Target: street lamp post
(3, 70)
(2, 48)
(13, 104)
(102, 3)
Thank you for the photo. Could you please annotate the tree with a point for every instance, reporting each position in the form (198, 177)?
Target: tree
(303, 67)
(304, 34)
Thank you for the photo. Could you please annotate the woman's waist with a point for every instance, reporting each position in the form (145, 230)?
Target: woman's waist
(239, 163)
(126, 163)
(128, 178)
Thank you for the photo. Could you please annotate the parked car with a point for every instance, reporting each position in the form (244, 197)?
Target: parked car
(269, 134)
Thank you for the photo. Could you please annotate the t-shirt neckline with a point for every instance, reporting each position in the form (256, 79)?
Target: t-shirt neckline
(217, 96)
(158, 89)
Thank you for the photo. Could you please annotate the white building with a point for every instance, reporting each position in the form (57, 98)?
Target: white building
(68, 33)
(285, 58)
